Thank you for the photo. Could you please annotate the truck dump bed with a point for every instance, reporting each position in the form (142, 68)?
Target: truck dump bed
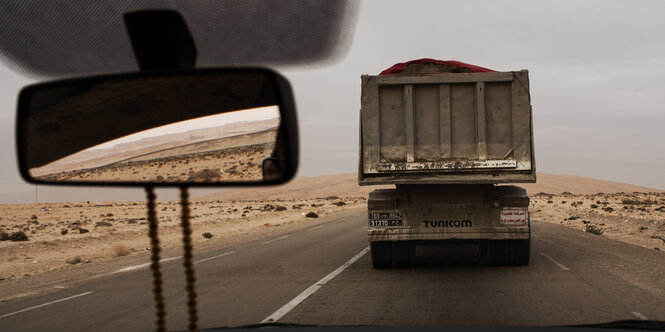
(446, 128)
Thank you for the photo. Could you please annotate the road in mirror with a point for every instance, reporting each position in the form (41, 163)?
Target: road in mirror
(227, 147)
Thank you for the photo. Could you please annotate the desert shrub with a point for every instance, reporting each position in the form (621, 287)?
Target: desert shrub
(206, 174)
(593, 230)
(18, 236)
(119, 250)
(312, 215)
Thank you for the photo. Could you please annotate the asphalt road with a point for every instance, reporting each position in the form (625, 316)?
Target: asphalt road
(323, 275)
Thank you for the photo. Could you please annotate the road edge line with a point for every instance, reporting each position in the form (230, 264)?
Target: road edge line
(277, 239)
(213, 257)
(44, 304)
(561, 266)
(144, 265)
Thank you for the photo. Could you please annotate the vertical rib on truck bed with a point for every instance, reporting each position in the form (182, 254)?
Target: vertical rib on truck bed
(472, 127)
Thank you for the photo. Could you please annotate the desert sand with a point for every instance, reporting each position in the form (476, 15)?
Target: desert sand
(241, 163)
(193, 141)
(66, 235)
(61, 235)
(237, 158)
(637, 217)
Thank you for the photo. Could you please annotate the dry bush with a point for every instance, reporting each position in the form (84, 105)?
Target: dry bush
(120, 250)
(593, 229)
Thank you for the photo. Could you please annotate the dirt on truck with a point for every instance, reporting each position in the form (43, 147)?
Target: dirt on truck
(449, 136)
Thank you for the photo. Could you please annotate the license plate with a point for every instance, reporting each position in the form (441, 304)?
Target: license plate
(385, 219)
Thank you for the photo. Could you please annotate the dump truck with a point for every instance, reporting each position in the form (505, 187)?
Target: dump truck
(449, 143)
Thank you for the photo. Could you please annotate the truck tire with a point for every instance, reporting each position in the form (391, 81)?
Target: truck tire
(520, 252)
(521, 249)
(498, 252)
(382, 254)
(402, 251)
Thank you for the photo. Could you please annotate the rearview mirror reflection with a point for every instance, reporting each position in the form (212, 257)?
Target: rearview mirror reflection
(200, 127)
(228, 147)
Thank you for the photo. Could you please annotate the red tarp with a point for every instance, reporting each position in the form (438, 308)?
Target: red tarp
(396, 68)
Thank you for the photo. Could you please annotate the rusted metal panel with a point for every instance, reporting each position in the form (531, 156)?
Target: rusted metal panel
(481, 130)
(391, 128)
(498, 120)
(408, 123)
(370, 132)
(427, 124)
(521, 100)
(445, 165)
(463, 115)
(446, 128)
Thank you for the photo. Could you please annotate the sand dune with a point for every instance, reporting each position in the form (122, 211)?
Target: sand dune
(346, 185)
(558, 183)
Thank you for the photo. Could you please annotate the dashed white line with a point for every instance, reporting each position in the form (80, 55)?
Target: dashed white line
(638, 315)
(285, 309)
(313, 228)
(140, 266)
(45, 304)
(563, 267)
(213, 257)
(277, 239)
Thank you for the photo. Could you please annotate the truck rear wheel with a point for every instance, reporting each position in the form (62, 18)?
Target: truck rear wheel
(521, 249)
(520, 252)
(498, 252)
(513, 252)
(382, 254)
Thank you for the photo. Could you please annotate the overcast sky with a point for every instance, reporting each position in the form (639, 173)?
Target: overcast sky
(597, 74)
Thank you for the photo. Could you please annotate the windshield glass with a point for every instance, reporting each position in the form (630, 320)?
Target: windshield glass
(416, 202)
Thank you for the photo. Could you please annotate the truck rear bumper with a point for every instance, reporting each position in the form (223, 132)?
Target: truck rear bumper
(406, 235)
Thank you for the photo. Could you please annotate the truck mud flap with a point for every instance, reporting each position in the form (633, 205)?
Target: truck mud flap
(388, 254)
(382, 254)
(513, 252)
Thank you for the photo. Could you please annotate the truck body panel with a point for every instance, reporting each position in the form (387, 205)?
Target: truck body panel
(448, 212)
(446, 128)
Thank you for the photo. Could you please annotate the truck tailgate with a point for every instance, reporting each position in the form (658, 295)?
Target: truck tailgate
(472, 127)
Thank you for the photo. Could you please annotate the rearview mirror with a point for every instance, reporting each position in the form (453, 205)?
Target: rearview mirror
(202, 127)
